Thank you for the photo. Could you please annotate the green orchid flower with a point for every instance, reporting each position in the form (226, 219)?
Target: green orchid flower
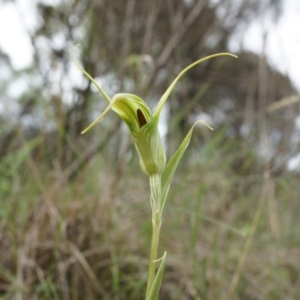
(142, 124)
(143, 127)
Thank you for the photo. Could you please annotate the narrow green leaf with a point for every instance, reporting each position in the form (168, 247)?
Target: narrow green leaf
(172, 164)
(158, 279)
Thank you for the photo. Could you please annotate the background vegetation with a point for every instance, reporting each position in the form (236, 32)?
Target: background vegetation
(75, 211)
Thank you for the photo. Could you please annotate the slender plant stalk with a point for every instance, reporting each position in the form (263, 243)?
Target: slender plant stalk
(156, 205)
(156, 225)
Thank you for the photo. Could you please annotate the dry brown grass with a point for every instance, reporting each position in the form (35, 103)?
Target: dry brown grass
(89, 238)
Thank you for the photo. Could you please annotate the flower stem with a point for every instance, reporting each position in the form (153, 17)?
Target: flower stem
(156, 224)
(155, 199)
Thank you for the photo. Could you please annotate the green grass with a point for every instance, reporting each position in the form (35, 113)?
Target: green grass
(89, 238)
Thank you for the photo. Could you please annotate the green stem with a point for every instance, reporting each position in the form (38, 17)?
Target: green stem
(155, 187)
(156, 224)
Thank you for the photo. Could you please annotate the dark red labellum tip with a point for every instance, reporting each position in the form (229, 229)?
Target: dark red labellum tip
(141, 118)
